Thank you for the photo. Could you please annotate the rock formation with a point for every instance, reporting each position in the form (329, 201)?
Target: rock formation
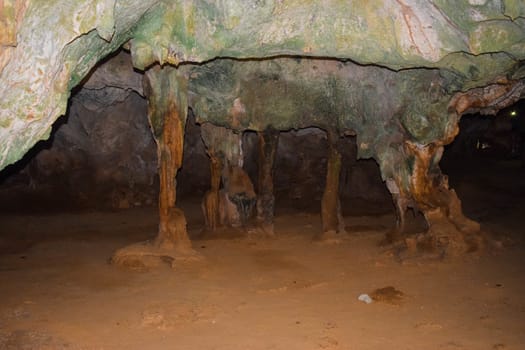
(397, 74)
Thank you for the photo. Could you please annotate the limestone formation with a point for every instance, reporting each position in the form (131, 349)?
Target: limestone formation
(398, 74)
(268, 142)
(331, 205)
(476, 43)
(231, 204)
(166, 92)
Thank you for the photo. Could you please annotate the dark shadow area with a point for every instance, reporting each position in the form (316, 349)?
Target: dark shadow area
(485, 165)
(19, 193)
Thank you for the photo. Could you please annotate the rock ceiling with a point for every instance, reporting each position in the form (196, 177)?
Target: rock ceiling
(48, 47)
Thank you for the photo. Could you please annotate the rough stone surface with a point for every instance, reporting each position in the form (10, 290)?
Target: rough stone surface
(397, 74)
(330, 95)
(44, 65)
(102, 152)
(473, 45)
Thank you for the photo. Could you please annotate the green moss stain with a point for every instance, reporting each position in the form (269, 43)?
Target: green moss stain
(5, 123)
(166, 88)
(494, 36)
(514, 8)
(475, 45)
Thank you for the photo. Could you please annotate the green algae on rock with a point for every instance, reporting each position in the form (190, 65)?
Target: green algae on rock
(42, 66)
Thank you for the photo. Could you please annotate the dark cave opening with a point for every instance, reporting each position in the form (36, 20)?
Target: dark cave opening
(486, 166)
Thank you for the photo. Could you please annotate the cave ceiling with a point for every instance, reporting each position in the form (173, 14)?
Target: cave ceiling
(394, 67)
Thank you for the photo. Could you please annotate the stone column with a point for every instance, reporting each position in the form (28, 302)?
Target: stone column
(211, 201)
(440, 205)
(268, 142)
(172, 226)
(401, 203)
(331, 217)
(166, 91)
(233, 203)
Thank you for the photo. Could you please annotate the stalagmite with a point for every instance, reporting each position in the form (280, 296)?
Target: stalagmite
(233, 204)
(448, 227)
(211, 202)
(238, 195)
(402, 203)
(268, 142)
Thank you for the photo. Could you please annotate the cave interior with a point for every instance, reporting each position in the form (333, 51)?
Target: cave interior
(335, 155)
(165, 149)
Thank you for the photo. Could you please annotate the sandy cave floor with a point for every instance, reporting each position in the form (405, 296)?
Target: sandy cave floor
(59, 292)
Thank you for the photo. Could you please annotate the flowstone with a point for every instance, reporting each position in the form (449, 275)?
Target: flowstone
(233, 203)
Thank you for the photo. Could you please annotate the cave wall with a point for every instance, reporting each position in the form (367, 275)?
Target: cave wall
(103, 156)
(102, 153)
(300, 172)
(99, 156)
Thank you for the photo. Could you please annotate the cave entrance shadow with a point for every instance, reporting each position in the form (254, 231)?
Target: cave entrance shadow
(485, 165)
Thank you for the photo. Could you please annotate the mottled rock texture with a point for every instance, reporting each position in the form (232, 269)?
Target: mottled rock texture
(397, 74)
(102, 151)
(48, 47)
